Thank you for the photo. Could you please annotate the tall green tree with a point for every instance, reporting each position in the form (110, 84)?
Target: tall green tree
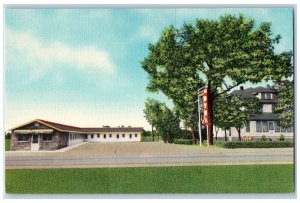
(152, 107)
(222, 113)
(234, 111)
(231, 48)
(165, 121)
(285, 106)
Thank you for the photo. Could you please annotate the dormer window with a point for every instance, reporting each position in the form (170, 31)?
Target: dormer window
(266, 95)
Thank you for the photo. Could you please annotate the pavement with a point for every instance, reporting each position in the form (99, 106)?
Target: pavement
(92, 155)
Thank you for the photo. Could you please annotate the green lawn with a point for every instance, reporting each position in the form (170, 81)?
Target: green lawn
(187, 179)
(7, 144)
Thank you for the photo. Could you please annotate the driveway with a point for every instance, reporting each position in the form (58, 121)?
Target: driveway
(145, 154)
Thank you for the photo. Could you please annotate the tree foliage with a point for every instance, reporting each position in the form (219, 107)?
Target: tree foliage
(166, 122)
(233, 111)
(285, 106)
(229, 48)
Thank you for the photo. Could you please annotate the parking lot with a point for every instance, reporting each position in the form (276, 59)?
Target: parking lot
(145, 154)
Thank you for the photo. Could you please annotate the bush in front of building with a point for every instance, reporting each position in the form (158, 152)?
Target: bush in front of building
(263, 138)
(183, 141)
(281, 138)
(258, 144)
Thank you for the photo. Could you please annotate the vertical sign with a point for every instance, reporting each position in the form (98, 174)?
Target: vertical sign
(205, 107)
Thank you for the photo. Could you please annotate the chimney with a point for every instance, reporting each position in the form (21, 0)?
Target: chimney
(241, 88)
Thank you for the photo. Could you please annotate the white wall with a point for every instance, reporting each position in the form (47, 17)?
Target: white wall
(267, 108)
(270, 134)
(114, 138)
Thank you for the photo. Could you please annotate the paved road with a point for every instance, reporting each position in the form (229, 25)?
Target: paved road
(210, 157)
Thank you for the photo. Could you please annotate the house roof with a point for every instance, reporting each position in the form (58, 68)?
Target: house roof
(264, 117)
(70, 128)
(253, 92)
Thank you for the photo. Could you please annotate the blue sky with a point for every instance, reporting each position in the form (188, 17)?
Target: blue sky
(82, 66)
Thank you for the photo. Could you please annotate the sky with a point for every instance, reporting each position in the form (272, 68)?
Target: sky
(82, 66)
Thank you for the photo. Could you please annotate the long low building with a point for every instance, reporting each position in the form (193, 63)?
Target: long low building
(45, 135)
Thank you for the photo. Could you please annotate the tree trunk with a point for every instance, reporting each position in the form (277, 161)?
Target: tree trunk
(193, 134)
(152, 133)
(216, 132)
(210, 98)
(239, 133)
(225, 135)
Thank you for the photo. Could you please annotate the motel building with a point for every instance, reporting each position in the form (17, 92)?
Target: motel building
(45, 135)
(264, 122)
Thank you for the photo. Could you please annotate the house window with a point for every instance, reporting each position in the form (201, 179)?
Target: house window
(265, 126)
(248, 126)
(110, 135)
(123, 135)
(290, 129)
(136, 135)
(117, 136)
(98, 135)
(23, 137)
(92, 136)
(47, 137)
(268, 95)
(283, 129)
(277, 127)
(130, 136)
(258, 126)
(271, 125)
(104, 136)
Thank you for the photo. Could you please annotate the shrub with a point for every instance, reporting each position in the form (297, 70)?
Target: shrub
(281, 138)
(258, 144)
(182, 141)
(263, 138)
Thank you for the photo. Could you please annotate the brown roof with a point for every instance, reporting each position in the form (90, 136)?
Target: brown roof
(122, 129)
(67, 128)
(60, 126)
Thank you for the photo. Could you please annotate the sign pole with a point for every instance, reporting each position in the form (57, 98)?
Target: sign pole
(199, 123)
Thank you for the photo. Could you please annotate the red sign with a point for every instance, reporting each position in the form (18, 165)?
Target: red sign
(205, 107)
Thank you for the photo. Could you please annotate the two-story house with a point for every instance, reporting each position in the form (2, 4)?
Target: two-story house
(264, 122)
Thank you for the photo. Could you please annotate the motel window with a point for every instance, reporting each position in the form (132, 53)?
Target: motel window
(98, 135)
(123, 135)
(110, 135)
(258, 126)
(290, 129)
(136, 135)
(277, 127)
(47, 137)
(92, 136)
(130, 136)
(85, 136)
(104, 136)
(271, 125)
(23, 137)
(117, 136)
(265, 126)
(248, 126)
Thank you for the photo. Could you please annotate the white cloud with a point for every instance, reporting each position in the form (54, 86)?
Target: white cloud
(40, 56)
(149, 32)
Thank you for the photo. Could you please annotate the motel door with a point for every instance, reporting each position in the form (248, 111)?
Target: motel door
(35, 144)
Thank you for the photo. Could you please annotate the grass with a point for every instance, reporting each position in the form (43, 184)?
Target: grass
(7, 144)
(150, 139)
(181, 179)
